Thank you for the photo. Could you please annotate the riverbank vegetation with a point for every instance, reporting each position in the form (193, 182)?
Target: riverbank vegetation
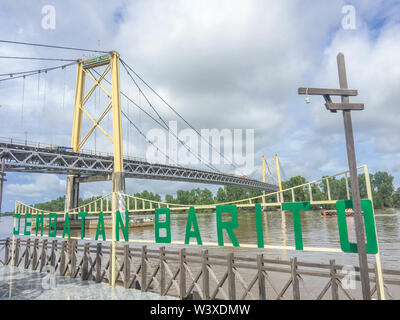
(383, 192)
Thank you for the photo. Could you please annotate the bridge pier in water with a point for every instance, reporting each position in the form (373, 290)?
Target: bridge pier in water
(72, 194)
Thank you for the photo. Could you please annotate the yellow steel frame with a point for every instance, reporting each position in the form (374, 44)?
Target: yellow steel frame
(278, 171)
(112, 66)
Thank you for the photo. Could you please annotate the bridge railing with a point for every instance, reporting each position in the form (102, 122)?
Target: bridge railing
(323, 191)
(42, 145)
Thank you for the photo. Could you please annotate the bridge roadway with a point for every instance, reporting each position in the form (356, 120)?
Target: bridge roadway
(96, 167)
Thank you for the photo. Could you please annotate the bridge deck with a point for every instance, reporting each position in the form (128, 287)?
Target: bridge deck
(25, 158)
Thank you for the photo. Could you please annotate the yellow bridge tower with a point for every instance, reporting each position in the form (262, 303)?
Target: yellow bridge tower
(111, 61)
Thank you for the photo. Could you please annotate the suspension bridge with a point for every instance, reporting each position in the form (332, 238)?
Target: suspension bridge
(92, 166)
(80, 166)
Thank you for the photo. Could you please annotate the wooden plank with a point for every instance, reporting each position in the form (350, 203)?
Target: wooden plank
(53, 253)
(143, 282)
(35, 254)
(62, 257)
(206, 275)
(330, 92)
(98, 262)
(162, 271)
(73, 258)
(16, 252)
(27, 254)
(231, 277)
(112, 263)
(127, 267)
(43, 256)
(85, 263)
(295, 279)
(262, 294)
(344, 106)
(182, 274)
(7, 252)
(334, 285)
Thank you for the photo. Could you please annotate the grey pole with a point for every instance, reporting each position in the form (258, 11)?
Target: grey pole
(355, 191)
(2, 174)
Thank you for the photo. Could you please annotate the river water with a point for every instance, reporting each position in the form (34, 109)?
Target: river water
(278, 230)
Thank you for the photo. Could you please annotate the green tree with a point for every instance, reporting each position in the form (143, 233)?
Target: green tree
(396, 198)
(383, 189)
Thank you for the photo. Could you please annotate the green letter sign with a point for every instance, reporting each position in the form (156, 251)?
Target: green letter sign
(192, 220)
(27, 224)
(120, 223)
(52, 224)
(39, 223)
(162, 225)
(227, 225)
(67, 226)
(18, 216)
(369, 222)
(100, 227)
(259, 226)
(296, 207)
(83, 215)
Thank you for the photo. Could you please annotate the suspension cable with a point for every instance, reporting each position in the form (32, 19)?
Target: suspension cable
(32, 72)
(177, 113)
(50, 46)
(144, 136)
(165, 128)
(41, 59)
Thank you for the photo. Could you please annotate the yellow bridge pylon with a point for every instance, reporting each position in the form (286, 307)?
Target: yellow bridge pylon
(111, 61)
(278, 172)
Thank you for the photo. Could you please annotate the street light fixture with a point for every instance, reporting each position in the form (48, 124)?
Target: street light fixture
(347, 107)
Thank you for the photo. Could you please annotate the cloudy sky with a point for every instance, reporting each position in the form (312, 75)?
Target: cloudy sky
(221, 64)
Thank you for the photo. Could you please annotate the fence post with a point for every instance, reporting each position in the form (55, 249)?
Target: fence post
(85, 262)
(35, 254)
(98, 262)
(231, 277)
(27, 253)
(110, 268)
(295, 279)
(334, 285)
(7, 251)
(182, 274)
(16, 252)
(377, 282)
(261, 278)
(43, 256)
(62, 257)
(162, 271)
(144, 269)
(206, 275)
(127, 266)
(73, 258)
(53, 253)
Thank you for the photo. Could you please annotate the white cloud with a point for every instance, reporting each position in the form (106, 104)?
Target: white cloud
(225, 64)
(39, 186)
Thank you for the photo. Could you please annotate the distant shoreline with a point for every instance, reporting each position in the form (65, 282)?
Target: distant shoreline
(6, 214)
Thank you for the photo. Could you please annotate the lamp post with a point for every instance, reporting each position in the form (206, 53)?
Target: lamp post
(347, 107)
(26, 137)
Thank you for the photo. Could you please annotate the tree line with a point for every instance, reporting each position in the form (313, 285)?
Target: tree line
(383, 192)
